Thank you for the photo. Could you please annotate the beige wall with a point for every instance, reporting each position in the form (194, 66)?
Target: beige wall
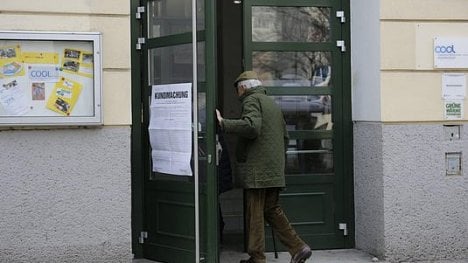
(110, 17)
(410, 86)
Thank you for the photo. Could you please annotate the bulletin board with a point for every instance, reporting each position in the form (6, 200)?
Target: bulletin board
(50, 78)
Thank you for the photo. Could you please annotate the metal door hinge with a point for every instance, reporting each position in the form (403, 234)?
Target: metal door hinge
(344, 227)
(143, 236)
(139, 11)
(341, 44)
(141, 41)
(341, 15)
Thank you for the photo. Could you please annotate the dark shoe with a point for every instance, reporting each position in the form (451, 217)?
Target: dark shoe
(302, 255)
(246, 261)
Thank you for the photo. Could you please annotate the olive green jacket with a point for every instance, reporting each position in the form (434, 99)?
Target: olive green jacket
(260, 151)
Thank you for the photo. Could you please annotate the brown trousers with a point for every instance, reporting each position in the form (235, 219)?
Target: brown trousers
(262, 204)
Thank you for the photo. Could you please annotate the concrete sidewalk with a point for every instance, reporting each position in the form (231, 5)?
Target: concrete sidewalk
(318, 256)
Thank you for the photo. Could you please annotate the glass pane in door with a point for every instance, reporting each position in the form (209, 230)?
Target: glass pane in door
(309, 156)
(170, 17)
(298, 69)
(290, 24)
(306, 112)
(173, 64)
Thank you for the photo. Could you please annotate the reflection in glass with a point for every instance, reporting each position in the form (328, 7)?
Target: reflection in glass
(306, 112)
(309, 156)
(202, 157)
(169, 17)
(306, 69)
(288, 24)
(168, 65)
(201, 112)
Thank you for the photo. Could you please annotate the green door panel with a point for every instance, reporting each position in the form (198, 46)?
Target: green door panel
(292, 45)
(169, 215)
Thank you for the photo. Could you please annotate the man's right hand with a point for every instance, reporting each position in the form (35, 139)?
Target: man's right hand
(219, 117)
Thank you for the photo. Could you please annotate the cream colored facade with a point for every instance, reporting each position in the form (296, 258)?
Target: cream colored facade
(397, 37)
(66, 193)
(411, 87)
(110, 17)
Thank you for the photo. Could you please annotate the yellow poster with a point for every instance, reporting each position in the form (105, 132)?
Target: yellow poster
(10, 62)
(78, 62)
(64, 96)
(40, 57)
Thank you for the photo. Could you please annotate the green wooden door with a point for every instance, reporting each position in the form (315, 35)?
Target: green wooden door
(294, 45)
(170, 201)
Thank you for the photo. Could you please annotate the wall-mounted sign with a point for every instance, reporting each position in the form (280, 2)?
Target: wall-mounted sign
(451, 52)
(453, 86)
(50, 78)
(453, 109)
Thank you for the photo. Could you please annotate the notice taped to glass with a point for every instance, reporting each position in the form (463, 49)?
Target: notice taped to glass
(170, 128)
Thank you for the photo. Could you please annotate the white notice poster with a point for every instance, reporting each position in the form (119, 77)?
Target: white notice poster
(13, 98)
(170, 128)
(453, 86)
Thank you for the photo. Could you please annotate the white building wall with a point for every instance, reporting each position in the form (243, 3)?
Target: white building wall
(365, 60)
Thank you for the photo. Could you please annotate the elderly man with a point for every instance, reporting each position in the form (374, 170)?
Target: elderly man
(260, 156)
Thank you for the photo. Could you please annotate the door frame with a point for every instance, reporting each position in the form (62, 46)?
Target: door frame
(348, 148)
(138, 168)
(342, 114)
(137, 165)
